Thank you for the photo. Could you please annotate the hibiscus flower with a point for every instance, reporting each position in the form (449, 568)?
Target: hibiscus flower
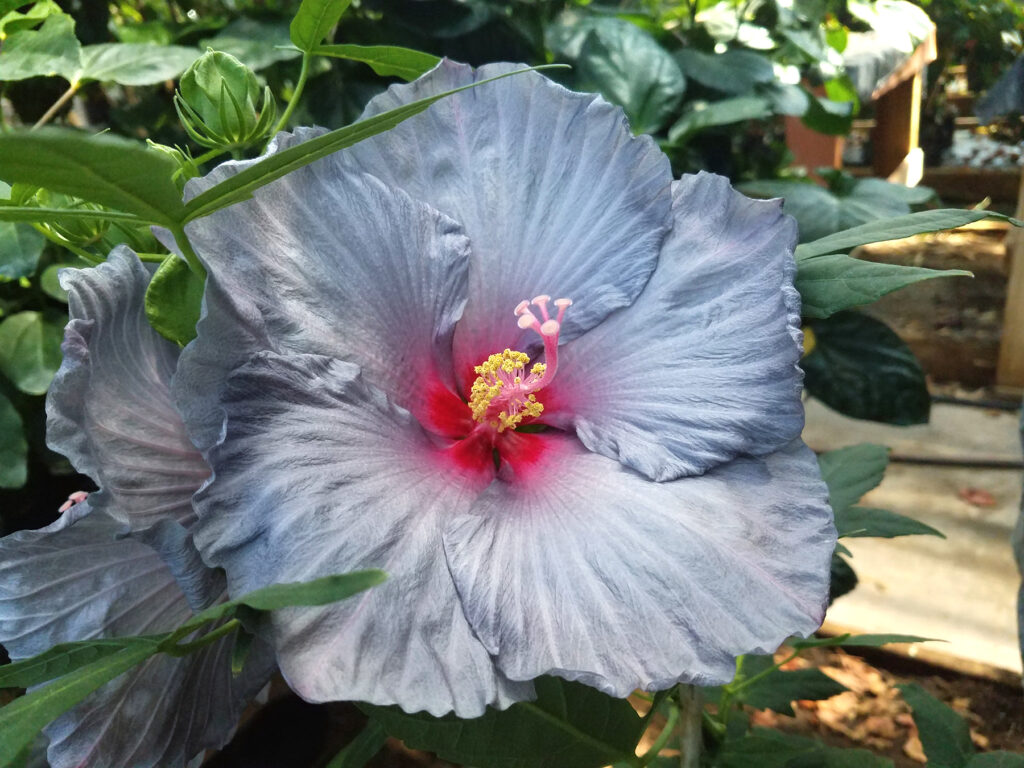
(500, 354)
(121, 562)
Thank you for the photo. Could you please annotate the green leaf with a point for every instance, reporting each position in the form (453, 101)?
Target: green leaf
(24, 717)
(51, 50)
(829, 284)
(569, 726)
(733, 71)
(173, 300)
(13, 447)
(857, 641)
(385, 60)
(699, 115)
(67, 657)
(862, 369)
(628, 67)
(944, 734)
(894, 229)
(241, 186)
(834, 118)
(842, 578)
(778, 689)
(328, 589)
(314, 20)
(880, 524)
(135, 63)
(105, 169)
(766, 748)
(255, 43)
(20, 248)
(362, 749)
(997, 760)
(851, 472)
(30, 351)
(40, 214)
(49, 281)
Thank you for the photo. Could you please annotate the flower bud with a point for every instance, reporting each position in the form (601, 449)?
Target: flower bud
(79, 232)
(217, 103)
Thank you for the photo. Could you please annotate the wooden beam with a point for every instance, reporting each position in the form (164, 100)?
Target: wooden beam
(1010, 369)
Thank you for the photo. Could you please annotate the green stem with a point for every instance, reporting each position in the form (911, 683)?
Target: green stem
(186, 250)
(296, 94)
(664, 736)
(53, 237)
(153, 258)
(691, 740)
(56, 106)
(174, 649)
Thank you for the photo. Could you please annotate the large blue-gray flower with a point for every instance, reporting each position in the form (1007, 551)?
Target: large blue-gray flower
(122, 562)
(380, 353)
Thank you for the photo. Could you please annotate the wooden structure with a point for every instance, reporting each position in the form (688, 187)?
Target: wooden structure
(896, 153)
(1010, 370)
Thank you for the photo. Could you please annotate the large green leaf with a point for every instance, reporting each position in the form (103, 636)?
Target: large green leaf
(699, 115)
(358, 752)
(945, 737)
(385, 60)
(173, 300)
(628, 67)
(766, 748)
(105, 169)
(849, 202)
(569, 726)
(862, 369)
(257, 44)
(13, 448)
(23, 718)
(779, 689)
(880, 524)
(20, 247)
(135, 63)
(829, 284)
(67, 657)
(997, 760)
(842, 578)
(241, 185)
(30, 351)
(733, 71)
(314, 20)
(851, 472)
(894, 229)
(52, 49)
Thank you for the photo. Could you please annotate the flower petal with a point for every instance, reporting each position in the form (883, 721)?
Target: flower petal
(334, 262)
(579, 567)
(704, 366)
(319, 474)
(80, 578)
(554, 192)
(109, 408)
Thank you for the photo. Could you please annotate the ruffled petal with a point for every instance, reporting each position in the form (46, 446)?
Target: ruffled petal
(579, 567)
(109, 408)
(331, 262)
(704, 366)
(319, 474)
(554, 192)
(80, 578)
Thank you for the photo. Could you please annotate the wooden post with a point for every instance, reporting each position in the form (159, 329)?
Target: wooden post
(897, 131)
(1010, 369)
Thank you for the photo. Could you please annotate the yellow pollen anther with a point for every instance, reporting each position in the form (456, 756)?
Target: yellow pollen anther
(502, 383)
